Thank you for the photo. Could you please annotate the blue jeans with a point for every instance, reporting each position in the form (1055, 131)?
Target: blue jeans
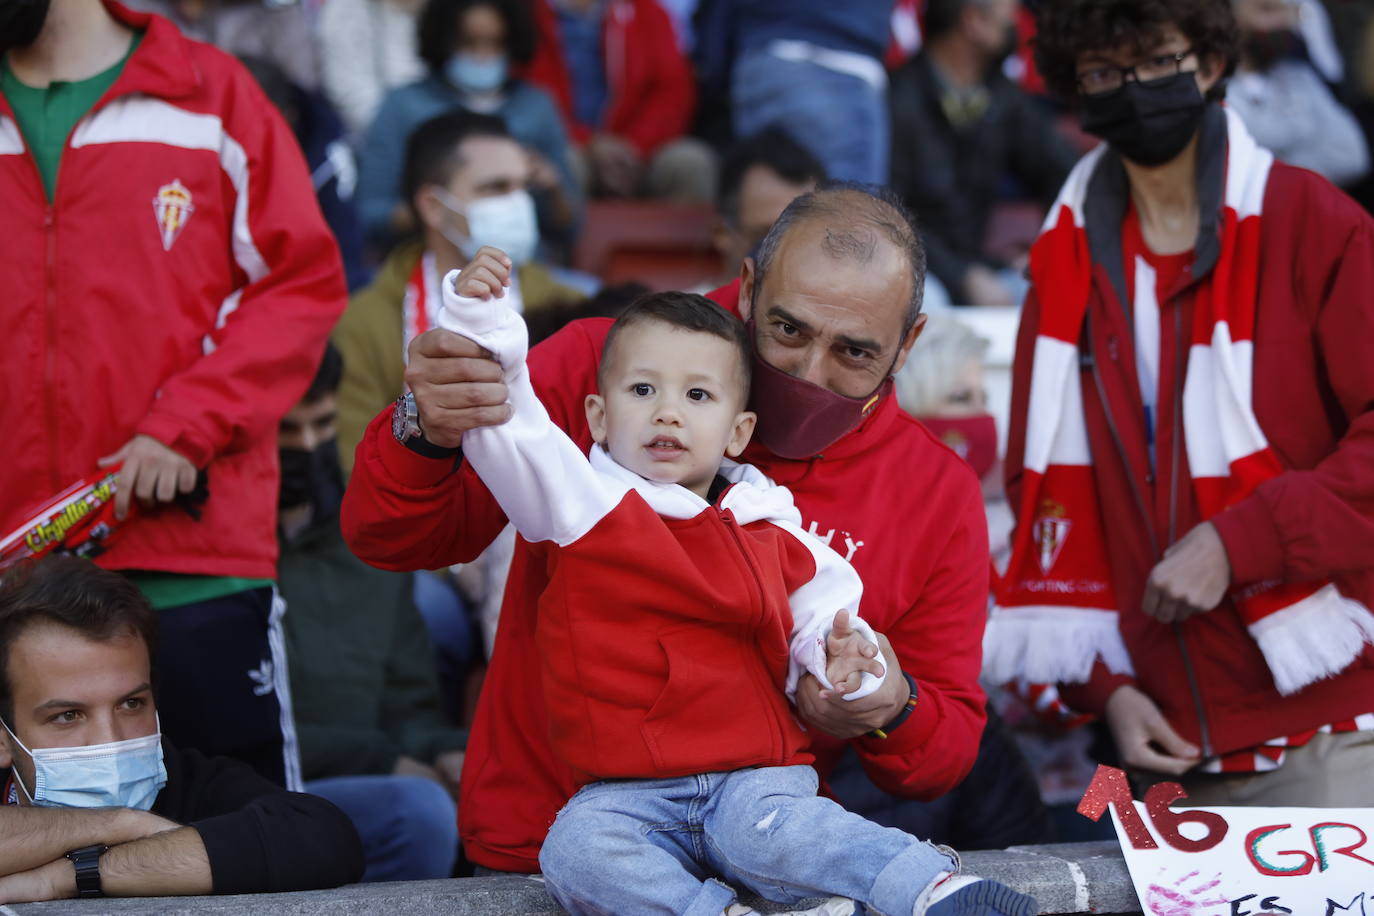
(408, 824)
(670, 846)
(840, 118)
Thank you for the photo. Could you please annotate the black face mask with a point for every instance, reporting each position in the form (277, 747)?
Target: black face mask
(1147, 123)
(20, 22)
(1265, 49)
(311, 478)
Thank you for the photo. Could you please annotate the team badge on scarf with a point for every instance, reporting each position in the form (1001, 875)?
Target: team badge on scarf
(172, 207)
(1056, 613)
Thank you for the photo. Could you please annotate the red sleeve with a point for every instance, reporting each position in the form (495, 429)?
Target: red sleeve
(403, 511)
(267, 348)
(1311, 524)
(657, 93)
(939, 642)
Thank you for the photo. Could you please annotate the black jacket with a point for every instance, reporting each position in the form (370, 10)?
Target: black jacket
(951, 178)
(259, 837)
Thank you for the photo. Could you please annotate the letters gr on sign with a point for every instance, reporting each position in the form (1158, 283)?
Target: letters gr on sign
(1237, 861)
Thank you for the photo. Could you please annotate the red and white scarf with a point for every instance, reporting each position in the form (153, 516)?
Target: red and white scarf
(420, 307)
(1056, 613)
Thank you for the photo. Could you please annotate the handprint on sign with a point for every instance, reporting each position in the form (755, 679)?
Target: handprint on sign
(1188, 896)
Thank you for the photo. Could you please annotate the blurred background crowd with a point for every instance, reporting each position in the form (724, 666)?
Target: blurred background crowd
(613, 146)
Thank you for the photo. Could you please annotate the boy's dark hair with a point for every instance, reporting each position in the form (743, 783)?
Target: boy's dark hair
(847, 206)
(436, 30)
(773, 148)
(327, 377)
(432, 149)
(1067, 28)
(689, 312)
(75, 593)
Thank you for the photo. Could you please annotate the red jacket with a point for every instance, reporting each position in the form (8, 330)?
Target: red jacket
(650, 94)
(903, 508)
(1314, 398)
(181, 285)
(655, 633)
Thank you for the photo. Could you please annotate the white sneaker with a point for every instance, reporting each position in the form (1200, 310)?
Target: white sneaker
(739, 909)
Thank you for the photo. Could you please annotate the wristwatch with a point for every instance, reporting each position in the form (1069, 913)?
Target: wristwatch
(901, 716)
(405, 426)
(86, 861)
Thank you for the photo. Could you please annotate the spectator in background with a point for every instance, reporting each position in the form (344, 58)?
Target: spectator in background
(281, 31)
(187, 298)
(152, 819)
(814, 68)
(367, 48)
(1285, 102)
(960, 130)
(466, 181)
(760, 176)
(625, 89)
(333, 168)
(373, 738)
(471, 48)
(1222, 626)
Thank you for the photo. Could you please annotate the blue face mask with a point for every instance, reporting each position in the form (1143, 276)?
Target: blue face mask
(476, 74)
(121, 774)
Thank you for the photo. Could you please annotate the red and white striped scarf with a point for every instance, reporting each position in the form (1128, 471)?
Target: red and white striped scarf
(1056, 613)
(420, 308)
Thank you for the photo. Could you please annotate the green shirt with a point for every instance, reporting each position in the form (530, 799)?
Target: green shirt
(47, 116)
(164, 590)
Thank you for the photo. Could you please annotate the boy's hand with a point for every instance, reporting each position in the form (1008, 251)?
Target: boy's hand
(848, 656)
(486, 276)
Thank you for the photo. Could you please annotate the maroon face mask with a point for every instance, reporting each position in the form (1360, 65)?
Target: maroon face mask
(973, 439)
(799, 419)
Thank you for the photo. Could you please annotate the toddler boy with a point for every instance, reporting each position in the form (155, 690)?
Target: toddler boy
(684, 602)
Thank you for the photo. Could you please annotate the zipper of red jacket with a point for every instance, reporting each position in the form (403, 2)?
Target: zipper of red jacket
(1194, 688)
(728, 520)
(51, 383)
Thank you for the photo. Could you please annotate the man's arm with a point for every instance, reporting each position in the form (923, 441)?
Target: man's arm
(403, 511)
(31, 837)
(938, 641)
(168, 864)
(539, 476)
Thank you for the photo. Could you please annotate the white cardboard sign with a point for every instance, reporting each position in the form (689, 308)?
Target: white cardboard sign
(1239, 861)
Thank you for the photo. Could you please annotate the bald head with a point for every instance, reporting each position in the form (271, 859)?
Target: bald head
(855, 223)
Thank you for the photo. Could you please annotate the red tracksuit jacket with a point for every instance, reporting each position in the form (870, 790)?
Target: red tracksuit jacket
(180, 284)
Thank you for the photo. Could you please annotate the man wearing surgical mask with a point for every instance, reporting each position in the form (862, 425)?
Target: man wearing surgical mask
(96, 802)
(467, 183)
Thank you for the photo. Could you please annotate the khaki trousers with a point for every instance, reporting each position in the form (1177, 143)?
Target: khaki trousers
(1330, 771)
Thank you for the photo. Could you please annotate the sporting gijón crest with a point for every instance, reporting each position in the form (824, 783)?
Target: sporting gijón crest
(173, 208)
(1050, 531)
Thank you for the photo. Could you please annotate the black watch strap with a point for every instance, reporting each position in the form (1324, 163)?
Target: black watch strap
(86, 861)
(422, 446)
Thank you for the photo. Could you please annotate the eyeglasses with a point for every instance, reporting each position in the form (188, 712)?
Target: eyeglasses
(1105, 79)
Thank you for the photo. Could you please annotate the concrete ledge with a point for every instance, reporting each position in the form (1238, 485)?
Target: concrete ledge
(1067, 878)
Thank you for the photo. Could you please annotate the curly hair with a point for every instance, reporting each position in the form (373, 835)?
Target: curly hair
(1067, 28)
(436, 30)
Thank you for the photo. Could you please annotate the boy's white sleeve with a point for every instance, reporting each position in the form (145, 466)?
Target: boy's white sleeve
(835, 587)
(540, 477)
